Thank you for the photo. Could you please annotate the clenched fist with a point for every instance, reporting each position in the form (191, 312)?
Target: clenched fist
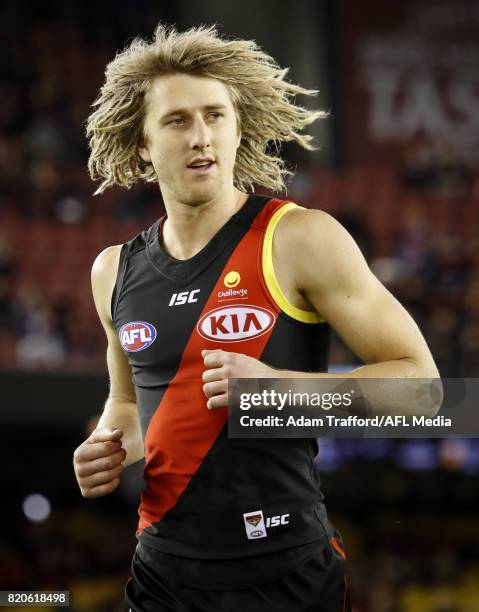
(222, 365)
(98, 462)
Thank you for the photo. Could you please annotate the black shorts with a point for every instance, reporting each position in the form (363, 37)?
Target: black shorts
(317, 585)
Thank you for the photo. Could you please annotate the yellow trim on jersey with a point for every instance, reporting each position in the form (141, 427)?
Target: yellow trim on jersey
(305, 316)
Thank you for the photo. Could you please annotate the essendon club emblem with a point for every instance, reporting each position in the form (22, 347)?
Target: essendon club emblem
(235, 323)
(254, 520)
(254, 525)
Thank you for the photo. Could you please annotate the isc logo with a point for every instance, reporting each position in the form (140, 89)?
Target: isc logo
(137, 336)
(274, 521)
(182, 298)
(235, 323)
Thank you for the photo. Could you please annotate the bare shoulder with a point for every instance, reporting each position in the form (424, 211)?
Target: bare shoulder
(106, 262)
(314, 245)
(103, 278)
(302, 224)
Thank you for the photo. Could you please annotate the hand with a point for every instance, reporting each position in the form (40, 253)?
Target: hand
(98, 462)
(221, 365)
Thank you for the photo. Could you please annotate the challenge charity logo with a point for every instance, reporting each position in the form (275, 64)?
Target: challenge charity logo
(137, 336)
(231, 280)
(235, 323)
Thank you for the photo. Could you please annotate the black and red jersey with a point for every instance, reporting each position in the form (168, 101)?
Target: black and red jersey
(206, 496)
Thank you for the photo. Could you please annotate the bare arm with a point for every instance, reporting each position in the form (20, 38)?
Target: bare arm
(117, 441)
(332, 274)
(120, 409)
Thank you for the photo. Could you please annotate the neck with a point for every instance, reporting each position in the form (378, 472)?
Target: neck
(189, 228)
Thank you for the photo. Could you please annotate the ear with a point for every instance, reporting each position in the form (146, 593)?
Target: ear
(239, 140)
(144, 153)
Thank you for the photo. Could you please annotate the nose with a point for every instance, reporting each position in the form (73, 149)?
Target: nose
(200, 136)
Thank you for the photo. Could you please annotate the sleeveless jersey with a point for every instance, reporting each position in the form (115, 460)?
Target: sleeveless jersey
(207, 496)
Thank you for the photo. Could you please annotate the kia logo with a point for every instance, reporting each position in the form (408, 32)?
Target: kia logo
(235, 323)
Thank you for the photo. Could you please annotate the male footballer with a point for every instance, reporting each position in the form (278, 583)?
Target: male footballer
(228, 284)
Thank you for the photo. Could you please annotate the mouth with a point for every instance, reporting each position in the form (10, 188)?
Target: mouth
(202, 167)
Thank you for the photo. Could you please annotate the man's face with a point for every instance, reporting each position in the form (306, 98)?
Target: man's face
(191, 137)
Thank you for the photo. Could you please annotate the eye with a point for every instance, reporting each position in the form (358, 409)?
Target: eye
(177, 121)
(215, 116)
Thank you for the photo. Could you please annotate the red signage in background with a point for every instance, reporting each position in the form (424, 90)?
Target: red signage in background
(409, 76)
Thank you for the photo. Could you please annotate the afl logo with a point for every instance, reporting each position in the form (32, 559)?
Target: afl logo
(232, 279)
(256, 534)
(137, 336)
(235, 323)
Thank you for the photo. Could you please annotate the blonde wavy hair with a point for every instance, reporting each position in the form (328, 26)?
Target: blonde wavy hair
(262, 99)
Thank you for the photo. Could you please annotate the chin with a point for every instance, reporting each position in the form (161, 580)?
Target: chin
(196, 197)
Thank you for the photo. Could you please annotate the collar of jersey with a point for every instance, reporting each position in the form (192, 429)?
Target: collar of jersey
(184, 271)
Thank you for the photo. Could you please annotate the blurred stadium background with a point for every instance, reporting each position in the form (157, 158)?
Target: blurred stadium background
(397, 167)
